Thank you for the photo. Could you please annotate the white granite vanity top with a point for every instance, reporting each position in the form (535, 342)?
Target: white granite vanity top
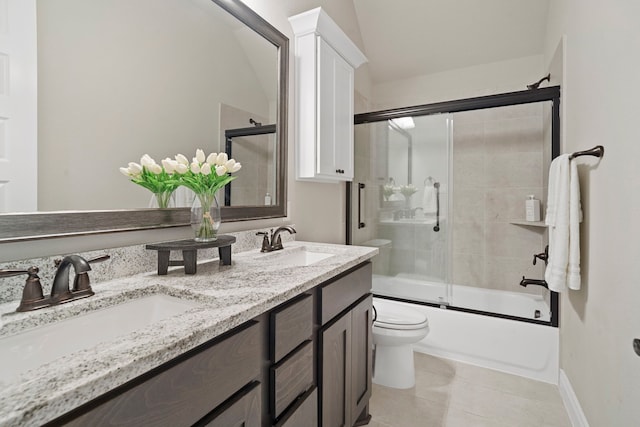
(227, 296)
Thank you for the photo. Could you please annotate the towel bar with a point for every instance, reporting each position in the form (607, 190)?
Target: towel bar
(597, 151)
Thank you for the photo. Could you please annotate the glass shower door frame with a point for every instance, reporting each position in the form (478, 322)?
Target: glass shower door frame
(491, 101)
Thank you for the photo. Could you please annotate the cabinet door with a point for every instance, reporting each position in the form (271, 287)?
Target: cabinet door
(335, 114)
(335, 344)
(343, 132)
(361, 356)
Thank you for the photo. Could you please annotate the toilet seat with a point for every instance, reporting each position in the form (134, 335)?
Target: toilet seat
(394, 316)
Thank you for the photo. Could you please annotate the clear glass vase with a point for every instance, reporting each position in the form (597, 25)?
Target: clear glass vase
(162, 200)
(205, 217)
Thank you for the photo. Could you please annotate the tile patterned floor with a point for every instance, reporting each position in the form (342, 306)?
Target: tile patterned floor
(454, 394)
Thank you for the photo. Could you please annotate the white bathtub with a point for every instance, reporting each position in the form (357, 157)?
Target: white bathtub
(511, 346)
(489, 300)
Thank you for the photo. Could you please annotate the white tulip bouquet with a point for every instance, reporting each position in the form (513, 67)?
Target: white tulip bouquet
(161, 181)
(387, 191)
(204, 175)
(408, 190)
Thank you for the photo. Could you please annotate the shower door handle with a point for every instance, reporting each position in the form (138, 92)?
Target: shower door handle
(360, 203)
(436, 185)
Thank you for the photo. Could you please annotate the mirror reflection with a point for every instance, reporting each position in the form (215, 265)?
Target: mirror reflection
(119, 78)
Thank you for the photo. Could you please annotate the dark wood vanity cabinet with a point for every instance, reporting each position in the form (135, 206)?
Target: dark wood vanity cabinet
(303, 364)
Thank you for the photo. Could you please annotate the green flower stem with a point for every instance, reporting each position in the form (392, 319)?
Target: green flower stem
(207, 230)
(163, 198)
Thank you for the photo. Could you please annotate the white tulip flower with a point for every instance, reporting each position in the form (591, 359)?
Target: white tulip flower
(182, 159)
(220, 170)
(221, 159)
(205, 169)
(195, 167)
(200, 156)
(125, 172)
(146, 161)
(211, 159)
(236, 167)
(229, 164)
(135, 169)
(169, 165)
(181, 169)
(155, 169)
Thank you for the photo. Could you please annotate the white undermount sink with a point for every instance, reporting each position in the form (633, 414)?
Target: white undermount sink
(303, 258)
(35, 347)
(297, 257)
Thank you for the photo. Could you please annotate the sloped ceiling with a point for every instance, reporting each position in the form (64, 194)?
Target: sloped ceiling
(408, 38)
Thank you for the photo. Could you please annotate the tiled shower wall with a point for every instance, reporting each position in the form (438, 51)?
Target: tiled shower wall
(256, 153)
(498, 159)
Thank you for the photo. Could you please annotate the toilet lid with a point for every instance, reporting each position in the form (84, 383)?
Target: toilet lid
(395, 316)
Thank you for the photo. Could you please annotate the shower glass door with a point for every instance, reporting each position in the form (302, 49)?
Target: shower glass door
(401, 205)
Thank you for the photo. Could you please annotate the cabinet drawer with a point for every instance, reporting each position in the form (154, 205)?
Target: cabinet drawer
(341, 293)
(290, 326)
(243, 410)
(291, 378)
(186, 391)
(304, 413)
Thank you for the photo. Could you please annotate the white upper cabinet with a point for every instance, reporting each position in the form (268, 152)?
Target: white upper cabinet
(325, 62)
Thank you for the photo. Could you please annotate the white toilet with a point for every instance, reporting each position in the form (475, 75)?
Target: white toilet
(395, 329)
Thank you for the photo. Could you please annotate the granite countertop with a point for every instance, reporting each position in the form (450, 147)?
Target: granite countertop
(226, 297)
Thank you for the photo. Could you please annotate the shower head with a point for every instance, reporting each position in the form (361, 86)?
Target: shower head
(253, 122)
(536, 84)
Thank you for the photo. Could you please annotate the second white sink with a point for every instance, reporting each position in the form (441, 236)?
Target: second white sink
(35, 347)
(297, 257)
(303, 258)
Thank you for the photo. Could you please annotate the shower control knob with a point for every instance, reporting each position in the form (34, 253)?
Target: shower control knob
(636, 346)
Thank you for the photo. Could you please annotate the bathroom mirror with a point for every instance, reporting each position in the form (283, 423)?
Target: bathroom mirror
(120, 78)
(399, 153)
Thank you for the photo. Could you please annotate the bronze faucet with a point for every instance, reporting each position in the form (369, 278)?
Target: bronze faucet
(60, 291)
(275, 243)
(32, 296)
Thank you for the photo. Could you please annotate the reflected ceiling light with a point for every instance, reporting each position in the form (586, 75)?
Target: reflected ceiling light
(404, 122)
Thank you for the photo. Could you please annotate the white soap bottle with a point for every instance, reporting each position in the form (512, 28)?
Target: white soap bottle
(532, 208)
(267, 199)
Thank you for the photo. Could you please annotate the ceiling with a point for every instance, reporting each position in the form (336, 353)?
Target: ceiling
(408, 38)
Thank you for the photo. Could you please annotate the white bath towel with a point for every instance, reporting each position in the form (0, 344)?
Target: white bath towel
(563, 217)
(429, 200)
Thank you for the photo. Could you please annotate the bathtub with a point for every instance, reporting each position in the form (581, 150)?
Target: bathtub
(515, 304)
(526, 349)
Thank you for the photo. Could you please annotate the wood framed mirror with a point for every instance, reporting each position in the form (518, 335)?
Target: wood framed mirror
(118, 79)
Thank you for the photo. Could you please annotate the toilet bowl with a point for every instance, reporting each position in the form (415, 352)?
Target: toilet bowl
(395, 329)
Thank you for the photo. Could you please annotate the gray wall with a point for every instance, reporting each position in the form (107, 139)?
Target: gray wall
(598, 68)
(497, 161)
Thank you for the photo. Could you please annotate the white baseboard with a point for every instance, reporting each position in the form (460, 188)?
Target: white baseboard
(571, 403)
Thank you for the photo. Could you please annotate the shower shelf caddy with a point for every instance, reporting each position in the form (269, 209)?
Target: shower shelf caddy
(597, 151)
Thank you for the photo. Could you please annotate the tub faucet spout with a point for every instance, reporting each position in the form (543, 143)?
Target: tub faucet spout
(524, 282)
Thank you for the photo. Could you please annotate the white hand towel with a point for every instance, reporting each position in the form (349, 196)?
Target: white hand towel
(563, 218)
(575, 218)
(429, 200)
